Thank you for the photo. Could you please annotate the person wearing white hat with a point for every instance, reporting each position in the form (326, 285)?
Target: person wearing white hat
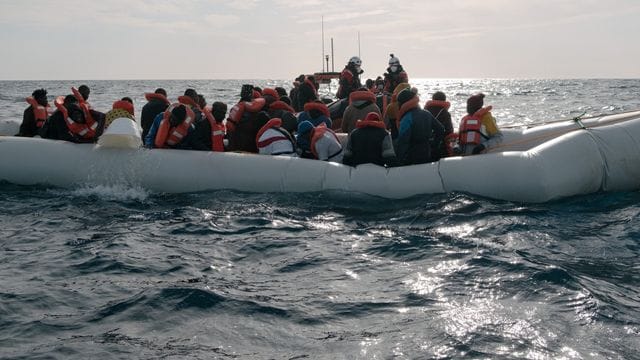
(395, 75)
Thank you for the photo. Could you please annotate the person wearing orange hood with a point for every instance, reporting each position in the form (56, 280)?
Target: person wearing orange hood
(369, 143)
(478, 129)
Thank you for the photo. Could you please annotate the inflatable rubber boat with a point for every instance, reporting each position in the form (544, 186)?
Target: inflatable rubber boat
(534, 164)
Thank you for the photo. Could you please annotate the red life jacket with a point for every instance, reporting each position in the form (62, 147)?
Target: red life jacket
(154, 96)
(312, 85)
(188, 101)
(84, 131)
(39, 112)
(171, 136)
(217, 131)
(362, 96)
(438, 103)
(318, 133)
(470, 128)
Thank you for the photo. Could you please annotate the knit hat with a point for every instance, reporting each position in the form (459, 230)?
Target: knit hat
(372, 116)
(305, 127)
(475, 103)
(439, 95)
(405, 95)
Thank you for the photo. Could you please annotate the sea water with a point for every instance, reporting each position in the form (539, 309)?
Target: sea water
(96, 272)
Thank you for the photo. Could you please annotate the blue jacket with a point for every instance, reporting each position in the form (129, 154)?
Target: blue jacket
(418, 130)
(304, 116)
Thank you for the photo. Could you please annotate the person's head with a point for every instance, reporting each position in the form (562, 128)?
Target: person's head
(192, 93)
(219, 111)
(285, 99)
(355, 63)
(258, 89)
(372, 116)
(161, 91)
(475, 103)
(126, 103)
(300, 78)
(70, 100)
(127, 99)
(40, 96)
(315, 111)
(312, 79)
(394, 63)
(84, 91)
(405, 95)
(246, 93)
(305, 128)
(369, 83)
(178, 115)
(281, 91)
(439, 95)
(202, 102)
(270, 95)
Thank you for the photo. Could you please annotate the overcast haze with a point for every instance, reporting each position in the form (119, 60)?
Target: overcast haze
(279, 39)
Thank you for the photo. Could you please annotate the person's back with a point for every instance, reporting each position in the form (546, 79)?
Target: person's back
(438, 106)
(157, 103)
(174, 129)
(35, 115)
(361, 103)
(272, 139)
(391, 112)
(308, 91)
(418, 128)
(68, 123)
(369, 142)
(122, 108)
(242, 126)
(325, 144)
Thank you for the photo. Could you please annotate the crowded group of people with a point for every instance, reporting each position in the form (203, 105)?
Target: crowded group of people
(384, 121)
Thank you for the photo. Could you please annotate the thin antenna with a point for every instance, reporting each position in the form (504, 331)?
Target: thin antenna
(323, 46)
(359, 45)
(331, 56)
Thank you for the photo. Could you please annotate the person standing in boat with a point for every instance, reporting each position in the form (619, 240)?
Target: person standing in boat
(395, 75)
(70, 122)
(350, 78)
(361, 103)
(319, 143)
(418, 129)
(370, 142)
(156, 103)
(478, 129)
(35, 115)
(294, 93)
(308, 90)
(438, 106)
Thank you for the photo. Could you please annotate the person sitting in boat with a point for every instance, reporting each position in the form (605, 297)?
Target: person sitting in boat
(215, 115)
(173, 129)
(202, 134)
(350, 78)
(395, 75)
(438, 106)
(273, 139)
(478, 129)
(122, 108)
(361, 103)
(70, 122)
(370, 142)
(82, 96)
(157, 104)
(418, 129)
(391, 119)
(35, 115)
(308, 91)
(315, 112)
(242, 121)
(319, 143)
(84, 91)
(281, 91)
(276, 108)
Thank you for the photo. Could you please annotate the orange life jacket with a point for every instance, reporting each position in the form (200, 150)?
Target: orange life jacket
(124, 105)
(217, 131)
(170, 136)
(470, 128)
(318, 133)
(281, 105)
(317, 106)
(39, 112)
(238, 110)
(406, 107)
(154, 96)
(84, 105)
(363, 95)
(312, 85)
(84, 131)
(188, 101)
(439, 103)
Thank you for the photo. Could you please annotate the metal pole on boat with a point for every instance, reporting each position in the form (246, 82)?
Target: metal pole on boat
(323, 46)
(332, 70)
(360, 56)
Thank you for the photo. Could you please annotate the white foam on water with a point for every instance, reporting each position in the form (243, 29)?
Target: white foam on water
(120, 192)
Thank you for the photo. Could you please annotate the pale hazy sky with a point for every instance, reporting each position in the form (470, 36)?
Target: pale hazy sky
(279, 39)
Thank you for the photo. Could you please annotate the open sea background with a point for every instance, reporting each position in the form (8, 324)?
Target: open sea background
(123, 273)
